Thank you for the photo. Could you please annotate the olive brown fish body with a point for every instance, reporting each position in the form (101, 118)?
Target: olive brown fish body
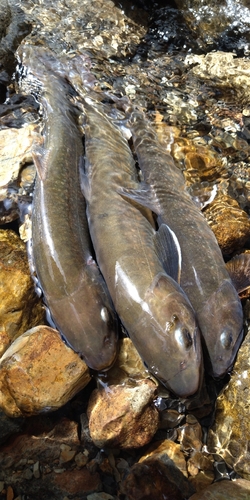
(203, 276)
(74, 288)
(151, 305)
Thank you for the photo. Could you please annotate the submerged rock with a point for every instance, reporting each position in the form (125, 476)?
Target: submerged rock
(20, 308)
(224, 25)
(39, 373)
(154, 479)
(229, 436)
(230, 224)
(16, 151)
(225, 490)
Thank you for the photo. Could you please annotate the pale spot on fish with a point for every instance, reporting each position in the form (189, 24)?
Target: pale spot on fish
(130, 288)
(104, 314)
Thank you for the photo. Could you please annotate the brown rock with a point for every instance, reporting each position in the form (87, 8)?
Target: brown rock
(39, 373)
(165, 451)
(154, 480)
(20, 308)
(39, 445)
(225, 490)
(230, 224)
(229, 437)
(73, 482)
(190, 434)
(123, 416)
(202, 480)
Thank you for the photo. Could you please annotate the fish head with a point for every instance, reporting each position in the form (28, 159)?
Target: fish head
(93, 327)
(221, 323)
(175, 348)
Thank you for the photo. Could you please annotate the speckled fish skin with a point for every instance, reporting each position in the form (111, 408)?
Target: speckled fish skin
(204, 276)
(151, 305)
(74, 288)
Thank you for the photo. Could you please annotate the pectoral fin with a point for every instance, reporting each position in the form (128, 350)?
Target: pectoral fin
(169, 251)
(239, 271)
(143, 196)
(84, 181)
(41, 162)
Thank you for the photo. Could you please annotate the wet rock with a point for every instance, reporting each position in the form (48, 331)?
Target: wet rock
(8, 426)
(225, 490)
(229, 437)
(13, 28)
(20, 308)
(201, 480)
(15, 179)
(154, 480)
(229, 222)
(73, 482)
(224, 25)
(123, 416)
(41, 445)
(225, 68)
(39, 373)
(167, 452)
(190, 434)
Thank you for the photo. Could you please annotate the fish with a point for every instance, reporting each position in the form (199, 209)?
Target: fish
(74, 289)
(203, 276)
(152, 307)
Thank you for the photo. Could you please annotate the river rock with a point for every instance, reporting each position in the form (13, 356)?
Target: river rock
(15, 177)
(166, 451)
(225, 490)
(9, 426)
(224, 68)
(123, 416)
(190, 434)
(223, 24)
(20, 308)
(155, 480)
(229, 222)
(230, 435)
(39, 373)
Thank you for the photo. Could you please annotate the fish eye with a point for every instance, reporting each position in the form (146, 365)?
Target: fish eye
(184, 338)
(104, 314)
(187, 339)
(226, 339)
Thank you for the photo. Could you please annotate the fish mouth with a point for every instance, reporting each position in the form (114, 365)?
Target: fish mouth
(186, 381)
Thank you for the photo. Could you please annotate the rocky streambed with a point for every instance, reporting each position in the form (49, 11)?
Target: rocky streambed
(67, 432)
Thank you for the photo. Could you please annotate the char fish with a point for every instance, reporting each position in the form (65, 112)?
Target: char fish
(154, 310)
(73, 286)
(204, 276)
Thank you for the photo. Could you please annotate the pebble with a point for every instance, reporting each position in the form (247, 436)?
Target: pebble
(100, 496)
(81, 459)
(36, 470)
(67, 454)
(10, 493)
